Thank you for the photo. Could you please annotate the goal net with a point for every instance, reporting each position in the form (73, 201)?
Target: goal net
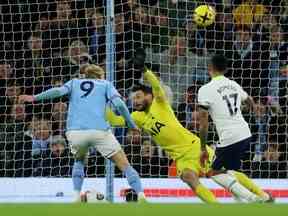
(45, 43)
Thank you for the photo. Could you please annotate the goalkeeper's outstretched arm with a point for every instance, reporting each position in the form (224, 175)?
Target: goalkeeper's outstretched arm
(158, 91)
(139, 66)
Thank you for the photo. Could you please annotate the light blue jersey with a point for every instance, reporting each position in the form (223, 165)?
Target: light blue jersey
(88, 99)
(87, 103)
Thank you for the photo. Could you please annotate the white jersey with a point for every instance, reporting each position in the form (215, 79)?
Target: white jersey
(222, 98)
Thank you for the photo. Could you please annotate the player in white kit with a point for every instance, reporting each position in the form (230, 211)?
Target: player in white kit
(87, 125)
(222, 99)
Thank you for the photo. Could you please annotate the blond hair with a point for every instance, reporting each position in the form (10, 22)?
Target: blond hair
(94, 71)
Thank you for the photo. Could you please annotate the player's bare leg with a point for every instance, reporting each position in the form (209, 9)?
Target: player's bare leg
(131, 174)
(78, 170)
(191, 178)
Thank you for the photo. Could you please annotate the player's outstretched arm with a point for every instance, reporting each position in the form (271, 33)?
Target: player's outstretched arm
(257, 108)
(48, 94)
(139, 66)
(158, 91)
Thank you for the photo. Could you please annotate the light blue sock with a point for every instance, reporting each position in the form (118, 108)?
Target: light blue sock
(133, 179)
(78, 175)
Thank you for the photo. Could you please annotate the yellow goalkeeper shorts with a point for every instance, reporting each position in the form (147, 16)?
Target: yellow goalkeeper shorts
(191, 160)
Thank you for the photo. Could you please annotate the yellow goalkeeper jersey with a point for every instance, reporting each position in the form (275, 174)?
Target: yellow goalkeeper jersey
(161, 123)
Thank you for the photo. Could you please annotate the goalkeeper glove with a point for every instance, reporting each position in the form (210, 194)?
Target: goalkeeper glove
(139, 60)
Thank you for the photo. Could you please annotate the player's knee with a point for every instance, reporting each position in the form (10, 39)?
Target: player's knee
(120, 160)
(186, 176)
(79, 152)
(190, 178)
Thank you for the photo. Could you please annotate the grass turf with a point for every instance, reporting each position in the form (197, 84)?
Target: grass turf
(143, 209)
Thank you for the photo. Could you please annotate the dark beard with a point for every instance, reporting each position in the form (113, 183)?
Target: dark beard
(144, 107)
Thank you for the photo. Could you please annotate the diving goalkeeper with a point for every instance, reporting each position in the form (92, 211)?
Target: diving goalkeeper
(155, 115)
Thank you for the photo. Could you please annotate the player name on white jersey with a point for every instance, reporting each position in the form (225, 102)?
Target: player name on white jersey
(221, 89)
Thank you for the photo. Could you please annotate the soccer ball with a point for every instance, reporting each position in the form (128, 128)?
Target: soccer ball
(92, 196)
(204, 15)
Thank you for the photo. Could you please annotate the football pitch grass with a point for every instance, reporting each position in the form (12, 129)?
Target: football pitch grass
(143, 209)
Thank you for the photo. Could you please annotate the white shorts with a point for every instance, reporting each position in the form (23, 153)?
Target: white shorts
(104, 141)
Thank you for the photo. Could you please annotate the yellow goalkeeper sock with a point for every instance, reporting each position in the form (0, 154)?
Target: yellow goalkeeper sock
(249, 184)
(204, 194)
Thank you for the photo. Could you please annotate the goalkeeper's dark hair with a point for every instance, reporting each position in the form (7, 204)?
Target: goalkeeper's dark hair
(140, 87)
(219, 63)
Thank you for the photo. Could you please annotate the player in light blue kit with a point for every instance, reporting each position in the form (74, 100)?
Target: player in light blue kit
(87, 125)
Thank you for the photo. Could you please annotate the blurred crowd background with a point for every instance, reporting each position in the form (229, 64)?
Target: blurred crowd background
(45, 43)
